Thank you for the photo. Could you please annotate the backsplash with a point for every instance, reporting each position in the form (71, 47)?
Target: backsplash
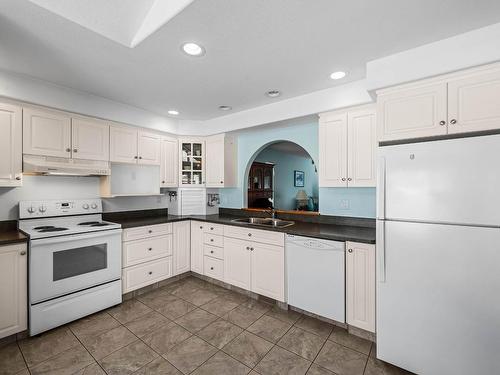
(64, 187)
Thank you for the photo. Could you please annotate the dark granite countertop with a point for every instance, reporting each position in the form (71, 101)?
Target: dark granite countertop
(9, 233)
(309, 229)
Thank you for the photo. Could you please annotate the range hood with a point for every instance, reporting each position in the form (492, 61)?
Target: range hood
(48, 165)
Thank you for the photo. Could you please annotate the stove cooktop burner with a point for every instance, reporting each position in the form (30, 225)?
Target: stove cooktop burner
(89, 223)
(52, 229)
(44, 227)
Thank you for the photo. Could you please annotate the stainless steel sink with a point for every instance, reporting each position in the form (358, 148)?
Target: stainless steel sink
(264, 222)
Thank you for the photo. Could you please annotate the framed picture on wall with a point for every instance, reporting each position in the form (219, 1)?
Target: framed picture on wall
(298, 178)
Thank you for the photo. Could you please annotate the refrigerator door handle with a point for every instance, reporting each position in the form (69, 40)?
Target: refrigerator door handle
(380, 247)
(381, 188)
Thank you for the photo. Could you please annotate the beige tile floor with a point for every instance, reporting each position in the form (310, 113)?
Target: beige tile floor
(191, 326)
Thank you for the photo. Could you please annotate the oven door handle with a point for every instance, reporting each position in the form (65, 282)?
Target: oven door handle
(76, 237)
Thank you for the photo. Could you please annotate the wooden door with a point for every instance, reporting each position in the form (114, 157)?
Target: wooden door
(412, 113)
(197, 246)
(214, 156)
(474, 102)
(46, 133)
(11, 145)
(90, 139)
(149, 148)
(237, 262)
(268, 270)
(123, 144)
(333, 150)
(362, 146)
(13, 289)
(182, 247)
(360, 285)
(169, 162)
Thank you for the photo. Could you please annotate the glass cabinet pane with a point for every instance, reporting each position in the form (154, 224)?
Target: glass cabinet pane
(186, 151)
(197, 164)
(197, 178)
(197, 149)
(186, 178)
(268, 179)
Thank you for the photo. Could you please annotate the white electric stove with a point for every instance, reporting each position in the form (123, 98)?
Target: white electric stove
(74, 261)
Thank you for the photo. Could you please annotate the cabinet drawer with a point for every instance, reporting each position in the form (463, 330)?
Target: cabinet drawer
(251, 234)
(213, 268)
(212, 251)
(213, 240)
(144, 274)
(217, 229)
(140, 251)
(147, 231)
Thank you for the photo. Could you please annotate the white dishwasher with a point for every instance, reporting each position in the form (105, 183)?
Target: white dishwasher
(316, 276)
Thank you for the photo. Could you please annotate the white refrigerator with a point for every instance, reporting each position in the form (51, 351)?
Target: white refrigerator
(438, 256)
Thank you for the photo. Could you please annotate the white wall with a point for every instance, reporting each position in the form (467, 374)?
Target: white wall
(31, 90)
(59, 187)
(462, 51)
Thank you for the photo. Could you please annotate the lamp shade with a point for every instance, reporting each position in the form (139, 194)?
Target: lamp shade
(301, 195)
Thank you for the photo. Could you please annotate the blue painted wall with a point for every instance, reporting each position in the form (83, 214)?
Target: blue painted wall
(285, 165)
(361, 201)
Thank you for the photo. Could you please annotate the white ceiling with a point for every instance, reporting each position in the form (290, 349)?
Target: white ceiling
(252, 46)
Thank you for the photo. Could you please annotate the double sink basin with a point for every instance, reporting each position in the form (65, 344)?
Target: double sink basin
(264, 222)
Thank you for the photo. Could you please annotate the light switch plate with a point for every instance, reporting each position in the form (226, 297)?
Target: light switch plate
(344, 204)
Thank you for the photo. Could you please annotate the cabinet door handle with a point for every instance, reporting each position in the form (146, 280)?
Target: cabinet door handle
(150, 231)
(350, 250)
(163, 182)
(211, 251)
(68, 150)
(22, 252)
(149, 249)
(442, 123)
(222, 182)
(75, 150)
(249, 234)
(211, 240)
(140, 157)
(453, 121)
(18, 178)
(343, 178)
(251, 249)
(201, 227)
(211, 228)
(248, 247)
(135, 157)
(150, 272)
(212, 268)
(349, 179)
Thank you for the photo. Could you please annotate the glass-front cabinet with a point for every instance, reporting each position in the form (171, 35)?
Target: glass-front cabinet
(192, 163)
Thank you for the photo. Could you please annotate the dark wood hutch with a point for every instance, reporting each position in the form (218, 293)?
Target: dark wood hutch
(260, 185)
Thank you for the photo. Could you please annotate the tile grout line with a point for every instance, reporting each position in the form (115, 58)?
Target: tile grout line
(22, 355)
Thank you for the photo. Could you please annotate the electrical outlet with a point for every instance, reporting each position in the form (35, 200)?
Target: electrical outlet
(344, 204)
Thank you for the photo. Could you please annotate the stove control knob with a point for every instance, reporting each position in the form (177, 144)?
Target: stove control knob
(93, 206)
(85, 206)
(42, 209)
(31, 209)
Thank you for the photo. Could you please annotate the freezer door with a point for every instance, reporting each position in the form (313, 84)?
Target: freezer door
(438, 309)
(451, 181)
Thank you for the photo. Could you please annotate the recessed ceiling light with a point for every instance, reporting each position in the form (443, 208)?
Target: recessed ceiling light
(225, 107)
(273, 93)
(337, 75)
(193, 49)
(173, 112)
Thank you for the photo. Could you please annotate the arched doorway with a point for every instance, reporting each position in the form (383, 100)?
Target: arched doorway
(281, 174)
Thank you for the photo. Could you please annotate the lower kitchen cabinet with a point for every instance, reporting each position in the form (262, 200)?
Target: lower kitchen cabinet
(237, 262)
(145, 274)
(255, 266)
(182, 247)
(360, 285)
(13, 289)
(197, 228)
(268, 270)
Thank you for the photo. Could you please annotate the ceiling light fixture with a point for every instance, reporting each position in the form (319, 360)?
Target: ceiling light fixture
(225, 107)
(273, 93)
(173, 112)
(337, 75)
(193, 49)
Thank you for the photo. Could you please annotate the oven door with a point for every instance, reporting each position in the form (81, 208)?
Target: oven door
(67, 264)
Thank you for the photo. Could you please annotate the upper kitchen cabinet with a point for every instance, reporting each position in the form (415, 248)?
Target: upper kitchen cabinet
(474, 102)
(221, 161)
(454, 103)
(11, 143)
(148, 147)
(46, 133)
(123, 144)
(169, 176)
(133, 145)
(347, 148)
(192, 162)
(90, 139)
(411, 113)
